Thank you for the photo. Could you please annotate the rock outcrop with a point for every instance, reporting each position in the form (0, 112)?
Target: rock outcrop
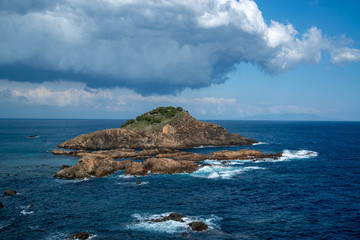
(198, 226)
(160, 134)
(101, 166)
(161, 165)
(82, 235)
(102, 163)
(177, 132)
(171, 217)
(10, 193)
(1, 205)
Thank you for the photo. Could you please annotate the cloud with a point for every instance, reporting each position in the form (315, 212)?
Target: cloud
(75, 96)
(153, 46)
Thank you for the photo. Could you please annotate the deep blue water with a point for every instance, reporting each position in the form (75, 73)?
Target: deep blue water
(313, 193)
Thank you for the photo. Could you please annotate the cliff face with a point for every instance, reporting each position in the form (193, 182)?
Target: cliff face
(179, 132)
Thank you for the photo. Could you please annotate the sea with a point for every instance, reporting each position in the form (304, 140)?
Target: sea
(311, 192)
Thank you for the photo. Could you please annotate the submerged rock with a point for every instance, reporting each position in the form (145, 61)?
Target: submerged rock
(179, 131)
(82, 235)
(33, 136)
(198, 226)
(1, 205)
(10, 192)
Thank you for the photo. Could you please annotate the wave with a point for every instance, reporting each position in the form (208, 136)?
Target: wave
(258, 143)
(170, 227)
(297, 154)
(132, 183)
(62, 236)
(72, 180)
(25, 212)
(223, 171)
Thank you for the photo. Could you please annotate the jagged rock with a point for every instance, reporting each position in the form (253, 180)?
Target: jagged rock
(10, 192)
(198, 226)
(82, 235)
(88, 167)
(179, 132)
(1, 205)
(64, 166)
(160, 165)
(171, 217)
(138, 183)
(243, 154)
(79, 153)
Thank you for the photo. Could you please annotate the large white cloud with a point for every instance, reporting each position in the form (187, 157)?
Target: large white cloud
(161, 45)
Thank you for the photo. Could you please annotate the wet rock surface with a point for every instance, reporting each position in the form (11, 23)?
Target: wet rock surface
(10, 193)
(198, 226)
(82, 235)
(171, 217)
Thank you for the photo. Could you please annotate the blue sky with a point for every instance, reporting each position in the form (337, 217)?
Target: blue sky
(219, 59)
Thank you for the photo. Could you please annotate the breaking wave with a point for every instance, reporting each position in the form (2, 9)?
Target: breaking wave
(221, 170)
(259, 143)
(297, 154)
(170, 226)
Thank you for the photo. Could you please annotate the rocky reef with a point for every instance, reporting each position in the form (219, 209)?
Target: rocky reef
(161, 134)
(105, 162)
(159, 128)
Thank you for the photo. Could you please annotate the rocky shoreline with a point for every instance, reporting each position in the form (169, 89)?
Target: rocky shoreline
(161, 134)
(158, 161)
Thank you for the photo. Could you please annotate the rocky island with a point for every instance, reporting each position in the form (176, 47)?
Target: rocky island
(161, 134)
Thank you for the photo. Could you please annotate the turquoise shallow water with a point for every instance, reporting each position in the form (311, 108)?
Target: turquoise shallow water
(313, 193)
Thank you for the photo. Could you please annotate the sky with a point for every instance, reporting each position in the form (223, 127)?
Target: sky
(218, 59)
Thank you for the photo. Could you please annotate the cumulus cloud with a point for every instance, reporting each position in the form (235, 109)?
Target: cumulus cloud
(154, 46)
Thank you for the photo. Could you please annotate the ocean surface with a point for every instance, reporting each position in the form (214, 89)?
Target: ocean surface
(312, 192)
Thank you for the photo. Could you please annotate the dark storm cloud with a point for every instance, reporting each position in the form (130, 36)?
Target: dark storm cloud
(151, 46)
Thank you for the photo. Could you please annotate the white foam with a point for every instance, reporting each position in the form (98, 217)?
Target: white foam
(24, 212)
(297, 154)
(72, 180)
(132, 183)
(126, 176)
(259, 143)
(170, 226)
(223, 171)
(62, 235)
(204, 146)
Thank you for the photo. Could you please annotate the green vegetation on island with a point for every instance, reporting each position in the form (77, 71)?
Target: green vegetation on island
(154, 118)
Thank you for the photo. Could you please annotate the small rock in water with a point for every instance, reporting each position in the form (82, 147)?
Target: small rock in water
(10, 192)
(8, 175)
(32, 136)
(172, 217)
(1, 205)
(15, 175)
(31, 206)
(198, 226)
(138, 183)
(82, 235)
